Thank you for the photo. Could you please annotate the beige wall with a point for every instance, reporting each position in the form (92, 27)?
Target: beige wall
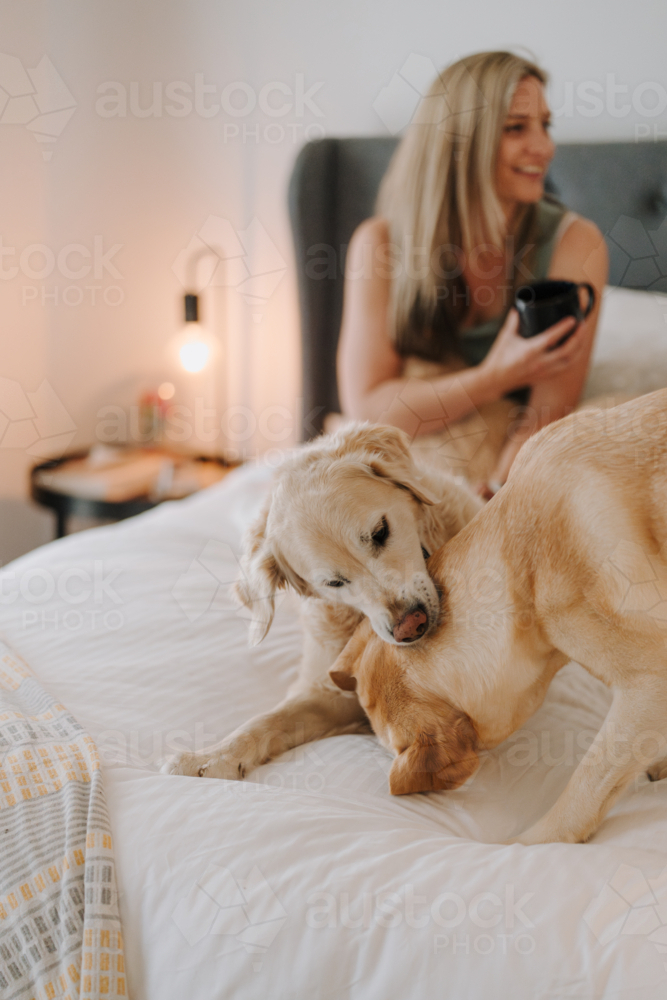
(146, 184)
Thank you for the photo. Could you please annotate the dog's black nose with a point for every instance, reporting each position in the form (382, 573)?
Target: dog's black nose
(411, 626)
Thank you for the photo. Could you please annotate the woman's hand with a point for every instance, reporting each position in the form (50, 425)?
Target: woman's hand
(516, 361)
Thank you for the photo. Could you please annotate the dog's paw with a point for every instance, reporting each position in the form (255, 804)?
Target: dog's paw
(182, 763)
(222, 766)
(203, 765)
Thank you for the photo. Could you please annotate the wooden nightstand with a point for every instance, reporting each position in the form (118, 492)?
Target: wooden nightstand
(115, 483)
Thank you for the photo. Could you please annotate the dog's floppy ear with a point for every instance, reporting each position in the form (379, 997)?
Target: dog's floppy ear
(405, 476)
(262, 578)
(392, 460)
(342, 673)
(388, 442)
(436, 761)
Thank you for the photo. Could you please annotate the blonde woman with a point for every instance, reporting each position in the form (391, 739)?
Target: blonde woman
(429, 339)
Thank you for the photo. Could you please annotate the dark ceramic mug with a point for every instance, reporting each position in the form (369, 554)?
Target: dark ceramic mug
(544, 303)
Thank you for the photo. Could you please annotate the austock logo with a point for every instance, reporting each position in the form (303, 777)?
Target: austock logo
(398, 101)
(256, 114)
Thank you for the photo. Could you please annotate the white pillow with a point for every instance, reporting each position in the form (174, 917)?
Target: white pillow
(630, 354)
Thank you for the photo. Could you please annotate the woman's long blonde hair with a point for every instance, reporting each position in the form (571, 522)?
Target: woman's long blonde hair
(439, 193)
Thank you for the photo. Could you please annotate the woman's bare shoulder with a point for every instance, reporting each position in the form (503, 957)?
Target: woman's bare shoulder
(374, 231)
(581, 234)
(581, 253)
(366, 243)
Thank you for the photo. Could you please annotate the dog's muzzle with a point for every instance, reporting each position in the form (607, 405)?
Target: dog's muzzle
(412, 626)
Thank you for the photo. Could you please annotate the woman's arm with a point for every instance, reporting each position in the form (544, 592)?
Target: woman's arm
(369, 368)
(581, 255)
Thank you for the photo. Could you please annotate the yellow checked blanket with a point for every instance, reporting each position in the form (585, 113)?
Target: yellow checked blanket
(60, 932)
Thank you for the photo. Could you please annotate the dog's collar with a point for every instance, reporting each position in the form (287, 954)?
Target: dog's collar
(426, 555)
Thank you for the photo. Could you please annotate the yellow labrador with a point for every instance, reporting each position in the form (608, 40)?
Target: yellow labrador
(567, 562)
(349, 523)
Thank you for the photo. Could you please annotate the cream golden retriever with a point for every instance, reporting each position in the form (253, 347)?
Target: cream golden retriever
(567, 562)
(349, 523)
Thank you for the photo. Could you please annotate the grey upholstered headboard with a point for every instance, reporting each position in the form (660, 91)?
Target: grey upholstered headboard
(622, 187)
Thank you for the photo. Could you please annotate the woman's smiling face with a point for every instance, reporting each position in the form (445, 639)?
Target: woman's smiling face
(526, 148)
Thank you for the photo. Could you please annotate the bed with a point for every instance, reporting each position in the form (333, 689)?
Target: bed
(308, 880)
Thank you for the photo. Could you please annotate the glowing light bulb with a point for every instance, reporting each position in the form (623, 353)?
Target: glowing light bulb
(194, 355)
(194, 347)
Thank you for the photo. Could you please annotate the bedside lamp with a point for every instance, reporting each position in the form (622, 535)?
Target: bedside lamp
(197, 353)
(196, 347)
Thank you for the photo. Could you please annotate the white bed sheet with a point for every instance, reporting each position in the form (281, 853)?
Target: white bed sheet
(309, 880)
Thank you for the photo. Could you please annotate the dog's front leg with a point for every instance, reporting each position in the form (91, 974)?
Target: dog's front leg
(314, 707)
(624, 747)
(319, 711)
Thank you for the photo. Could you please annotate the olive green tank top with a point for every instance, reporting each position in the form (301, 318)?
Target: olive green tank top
(475, 342)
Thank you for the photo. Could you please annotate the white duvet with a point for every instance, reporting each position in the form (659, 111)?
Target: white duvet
(309, 880)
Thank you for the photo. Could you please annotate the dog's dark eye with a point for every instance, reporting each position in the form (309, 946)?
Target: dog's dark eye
(381, 534)
(337, 583)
